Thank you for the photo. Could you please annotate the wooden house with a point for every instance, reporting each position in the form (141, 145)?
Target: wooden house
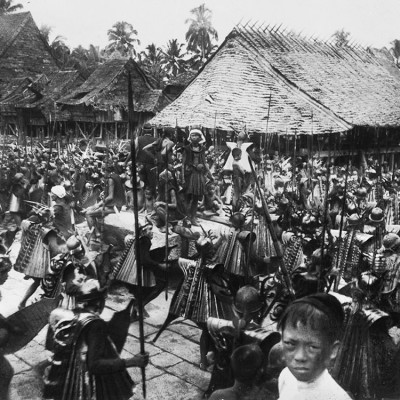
(23, 53)
(99, 107)
(33, 103)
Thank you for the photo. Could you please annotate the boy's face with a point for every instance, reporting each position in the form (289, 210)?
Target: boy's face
(307, 352)
(195, 138)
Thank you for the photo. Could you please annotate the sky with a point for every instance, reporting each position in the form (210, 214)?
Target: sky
(83, 22)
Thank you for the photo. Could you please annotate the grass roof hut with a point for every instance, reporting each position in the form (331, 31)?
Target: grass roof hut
(100, 104)
(33, 102)
(23, 53)
(275, 83)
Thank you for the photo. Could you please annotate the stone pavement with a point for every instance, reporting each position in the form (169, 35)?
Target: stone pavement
(173, 371)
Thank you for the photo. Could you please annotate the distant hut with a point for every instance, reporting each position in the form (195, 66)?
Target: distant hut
(33, 102)
(279, 85)
(178, 84)
(100, 105)
(23, 53)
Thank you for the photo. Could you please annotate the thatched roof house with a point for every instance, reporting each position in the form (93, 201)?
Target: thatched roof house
(103, 97)
(264, 79)
(23, 52)
(33, 102)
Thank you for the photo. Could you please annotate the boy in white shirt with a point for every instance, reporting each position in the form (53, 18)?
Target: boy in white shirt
(311, 327)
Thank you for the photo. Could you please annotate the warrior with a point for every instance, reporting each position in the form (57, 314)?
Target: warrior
(168, 199)
(18, 195)
(237, 254)
(244, 328)
(61, 211)
(39, 244)
(114, 198)
(154, 279)
(6, 329)
(202, 293)
(195, 172)
(86, 364)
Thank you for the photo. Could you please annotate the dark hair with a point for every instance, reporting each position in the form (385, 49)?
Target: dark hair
(321, 312)
(246, 361)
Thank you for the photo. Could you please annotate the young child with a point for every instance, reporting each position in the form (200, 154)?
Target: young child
(247, 366)
(211, 201)
(311, 327)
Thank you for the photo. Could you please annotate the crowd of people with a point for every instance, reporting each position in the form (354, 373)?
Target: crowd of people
(297, 284)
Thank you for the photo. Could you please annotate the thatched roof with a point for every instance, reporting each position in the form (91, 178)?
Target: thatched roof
(42, 92)
(23, 52)
(183, 79)
(311, 86)
(10, 26)
(107, 89)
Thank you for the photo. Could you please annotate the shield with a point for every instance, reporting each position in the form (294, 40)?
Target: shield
(30, 320)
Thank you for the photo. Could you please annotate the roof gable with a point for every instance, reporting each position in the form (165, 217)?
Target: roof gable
(10, 27)
(349, 80)
(313, 86)
(106, 88)
(42, 91)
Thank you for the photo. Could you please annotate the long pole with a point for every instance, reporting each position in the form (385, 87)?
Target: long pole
(166, 219)
(136, 214)
(266, 128)
(275, 242)
(325, 216)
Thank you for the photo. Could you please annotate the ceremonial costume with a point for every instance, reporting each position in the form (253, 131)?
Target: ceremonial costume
(34, 256)
(195, 170)
(89, 367)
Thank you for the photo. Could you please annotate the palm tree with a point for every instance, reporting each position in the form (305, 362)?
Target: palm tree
(173, 58)
(200, 33)
(341, 38)
(59, 50)
(152, 63)
(121, 39)
(6, 7)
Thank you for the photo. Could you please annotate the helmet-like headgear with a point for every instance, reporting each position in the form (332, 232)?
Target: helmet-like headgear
(390, 241)
(247, 300)
(377, 215)
(74, 245)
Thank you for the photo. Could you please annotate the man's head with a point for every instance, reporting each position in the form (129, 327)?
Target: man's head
(311, 327)
(390, 244)
(247, 362)
(237, 154)
(196, 136)
(90, 294)
(58, 192)
(75, 248)
(246, 306)
(146, 230)
(5, 267)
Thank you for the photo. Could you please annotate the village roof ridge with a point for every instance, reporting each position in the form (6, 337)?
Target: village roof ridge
(9, 31)
(333, 88)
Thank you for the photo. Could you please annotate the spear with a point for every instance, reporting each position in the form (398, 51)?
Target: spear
(275, 242)
(325, 216)
(166, 218)
(266, 128)
(136, 214)
(336, 286)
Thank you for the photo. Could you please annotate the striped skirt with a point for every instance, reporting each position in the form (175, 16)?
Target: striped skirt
(126, 269)
(34, 257)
